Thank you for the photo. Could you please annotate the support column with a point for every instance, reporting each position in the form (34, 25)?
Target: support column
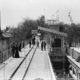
(78, 76)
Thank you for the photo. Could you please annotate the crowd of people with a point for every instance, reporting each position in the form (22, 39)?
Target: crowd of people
(33, 42)
(16, 47)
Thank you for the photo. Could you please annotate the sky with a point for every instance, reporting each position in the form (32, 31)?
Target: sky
(15, 11)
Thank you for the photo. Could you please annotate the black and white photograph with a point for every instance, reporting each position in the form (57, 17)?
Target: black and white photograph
(39, 39)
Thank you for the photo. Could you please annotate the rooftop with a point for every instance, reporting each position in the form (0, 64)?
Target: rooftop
(53, 31)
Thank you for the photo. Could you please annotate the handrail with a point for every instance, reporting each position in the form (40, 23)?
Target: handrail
(76, 64)
(53, 76)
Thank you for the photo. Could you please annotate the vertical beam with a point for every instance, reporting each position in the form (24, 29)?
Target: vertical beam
(0, 20)
(50, 38)
(77, 74)
(63, 46)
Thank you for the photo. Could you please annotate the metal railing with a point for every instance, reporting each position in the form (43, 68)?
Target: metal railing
(65, 79)
(53, 75)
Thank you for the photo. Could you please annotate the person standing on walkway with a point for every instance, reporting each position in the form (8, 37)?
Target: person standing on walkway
(42, 45)
(37, 43)
(17, 51)
(19, 46)
(29, 44)
(13, 49)
(23, 44)
(33, 41)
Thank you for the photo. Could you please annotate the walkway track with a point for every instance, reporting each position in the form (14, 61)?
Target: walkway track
(20, 64)
(29, 64)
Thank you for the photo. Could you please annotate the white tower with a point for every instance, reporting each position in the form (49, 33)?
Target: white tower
(70, 17)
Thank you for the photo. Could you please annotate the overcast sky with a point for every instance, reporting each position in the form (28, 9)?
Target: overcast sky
(14, 11)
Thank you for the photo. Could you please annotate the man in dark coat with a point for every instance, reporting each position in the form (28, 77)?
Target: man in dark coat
(37, 43)
(19, 46)
(17, 51)
(29, 44)
(13, 50)
(42, 44)
(23, 44)
(33, 41)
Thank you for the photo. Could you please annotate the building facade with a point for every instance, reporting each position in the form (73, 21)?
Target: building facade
(56, 42)
(5, 46)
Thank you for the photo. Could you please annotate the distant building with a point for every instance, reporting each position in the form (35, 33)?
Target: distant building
(54, 24)
(51, 22)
